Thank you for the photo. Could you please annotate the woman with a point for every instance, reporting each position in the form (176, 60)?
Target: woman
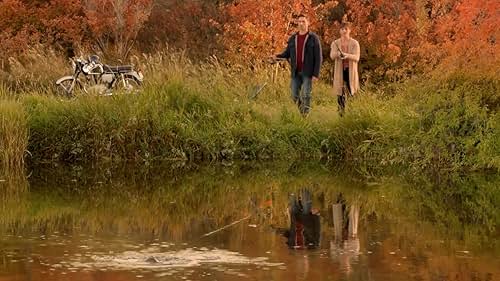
(345, 53)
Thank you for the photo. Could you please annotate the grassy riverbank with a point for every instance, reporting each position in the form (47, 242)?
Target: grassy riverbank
(202, 112)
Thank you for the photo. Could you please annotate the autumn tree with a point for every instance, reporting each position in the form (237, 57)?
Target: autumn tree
(59, 23)
(463, 34)
(397, 37)
(385, 30)
(14, 29)
(403, 37)
(115, 24)
(257, 29)
(64, 23)
(193, 26)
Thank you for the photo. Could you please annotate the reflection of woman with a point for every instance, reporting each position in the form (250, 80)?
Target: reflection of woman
(353, 221)
(346, 253)
(305, 227)
(345, 221)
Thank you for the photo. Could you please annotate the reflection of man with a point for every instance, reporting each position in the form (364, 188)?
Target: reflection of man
(305, 225)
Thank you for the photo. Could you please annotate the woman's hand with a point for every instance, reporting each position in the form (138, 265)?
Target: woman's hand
(347, 56)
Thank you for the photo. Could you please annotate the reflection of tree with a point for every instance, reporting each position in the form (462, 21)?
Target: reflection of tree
(168, 201)
(177, 202)
(452, 204)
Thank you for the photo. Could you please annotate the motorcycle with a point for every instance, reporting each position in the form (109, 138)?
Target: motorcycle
(90, 75)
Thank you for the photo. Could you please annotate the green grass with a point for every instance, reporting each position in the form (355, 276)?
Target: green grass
(201, 112)
(170, 121)
(13, 135)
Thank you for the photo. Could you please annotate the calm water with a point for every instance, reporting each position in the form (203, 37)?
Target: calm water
(228, 223)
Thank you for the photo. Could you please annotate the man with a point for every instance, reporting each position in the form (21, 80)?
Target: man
(345, 53)
(304, 54)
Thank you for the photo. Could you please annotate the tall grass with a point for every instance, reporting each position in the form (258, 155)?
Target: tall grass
(164, 122)
(202, 111)
(13, 133)
(35, 71)
(445, 124)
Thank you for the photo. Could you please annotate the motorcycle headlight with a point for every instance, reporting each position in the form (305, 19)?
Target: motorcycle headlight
(86, 68)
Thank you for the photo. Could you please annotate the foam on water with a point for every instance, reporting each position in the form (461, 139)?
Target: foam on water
(147, 259)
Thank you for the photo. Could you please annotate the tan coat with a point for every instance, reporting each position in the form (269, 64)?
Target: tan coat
(353, 55)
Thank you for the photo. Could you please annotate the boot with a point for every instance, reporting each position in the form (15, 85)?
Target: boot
(306, 106)
(341, 102)
(298, 102)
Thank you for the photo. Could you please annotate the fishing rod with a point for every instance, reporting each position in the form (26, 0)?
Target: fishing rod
(226, 226)
(342, 56)
(258, 89)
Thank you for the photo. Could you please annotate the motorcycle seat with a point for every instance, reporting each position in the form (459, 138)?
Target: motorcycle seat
(118, 68)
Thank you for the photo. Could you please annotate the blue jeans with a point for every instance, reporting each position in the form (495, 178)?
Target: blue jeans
(303, 101)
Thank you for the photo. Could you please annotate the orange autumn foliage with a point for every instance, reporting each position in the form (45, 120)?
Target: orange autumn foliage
(71, 24)
(115, 24)
(59, 23)
(398, 38)
(193, 26)
(464, 34)
(257, 29)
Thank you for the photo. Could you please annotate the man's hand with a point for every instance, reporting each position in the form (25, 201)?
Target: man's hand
(315, 78)
(277, 58)
(274, 59)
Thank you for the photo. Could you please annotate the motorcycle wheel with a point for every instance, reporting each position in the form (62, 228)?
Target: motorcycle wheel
(128, 85)
(64, 87)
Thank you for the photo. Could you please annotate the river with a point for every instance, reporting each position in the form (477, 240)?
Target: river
(230, 222)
